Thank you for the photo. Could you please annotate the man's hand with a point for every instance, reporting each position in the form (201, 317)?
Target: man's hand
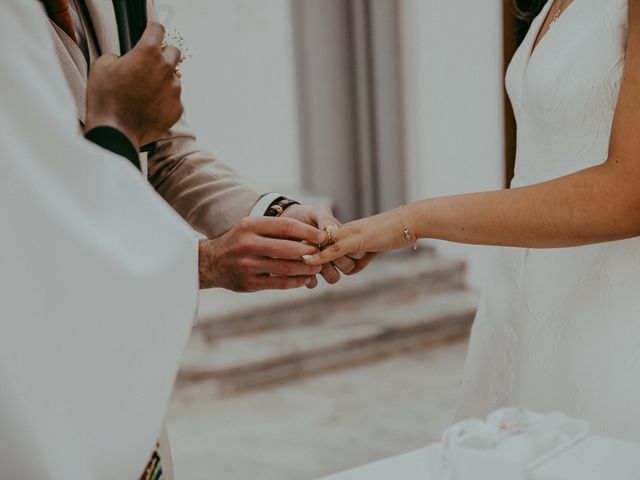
(138, 94)
(260, 254)
(320, 217)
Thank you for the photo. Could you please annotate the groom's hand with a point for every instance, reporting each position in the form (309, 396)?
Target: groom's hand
(320, 217)
(261, 253)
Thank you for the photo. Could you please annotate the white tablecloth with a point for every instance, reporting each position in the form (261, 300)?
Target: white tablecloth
(595, 458)
(410, 466)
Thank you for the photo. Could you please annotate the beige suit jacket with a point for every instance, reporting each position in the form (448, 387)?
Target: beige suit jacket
(209, 195)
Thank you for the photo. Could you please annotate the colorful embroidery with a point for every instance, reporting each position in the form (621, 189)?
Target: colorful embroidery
(154, 468)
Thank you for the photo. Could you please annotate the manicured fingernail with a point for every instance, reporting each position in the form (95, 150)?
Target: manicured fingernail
(308, 258)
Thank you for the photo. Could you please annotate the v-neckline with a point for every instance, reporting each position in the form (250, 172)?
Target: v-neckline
(541, 20)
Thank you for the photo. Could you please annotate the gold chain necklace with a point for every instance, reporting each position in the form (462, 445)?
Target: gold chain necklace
(559, 9)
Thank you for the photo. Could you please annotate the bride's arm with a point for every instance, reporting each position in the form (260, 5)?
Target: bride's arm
(594, 205)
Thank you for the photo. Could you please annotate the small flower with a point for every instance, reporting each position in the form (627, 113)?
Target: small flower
(173, 38)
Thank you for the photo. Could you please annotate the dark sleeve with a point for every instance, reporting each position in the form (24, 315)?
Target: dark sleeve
(115, 141)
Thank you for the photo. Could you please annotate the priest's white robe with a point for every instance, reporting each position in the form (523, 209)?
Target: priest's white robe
(98, 281)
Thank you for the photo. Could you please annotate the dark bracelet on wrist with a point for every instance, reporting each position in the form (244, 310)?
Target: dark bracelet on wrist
(278, 206)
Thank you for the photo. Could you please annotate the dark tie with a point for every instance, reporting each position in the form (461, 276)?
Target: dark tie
(58, 11)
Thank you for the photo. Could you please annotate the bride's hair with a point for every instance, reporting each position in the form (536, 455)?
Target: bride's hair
(527, 9)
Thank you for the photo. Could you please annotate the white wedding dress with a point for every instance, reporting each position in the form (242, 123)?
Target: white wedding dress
(559, 329)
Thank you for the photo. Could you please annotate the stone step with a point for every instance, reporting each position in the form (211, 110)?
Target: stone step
(342, 339)
(393, 277)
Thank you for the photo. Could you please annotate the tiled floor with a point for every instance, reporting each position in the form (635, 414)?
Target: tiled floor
(319, 426)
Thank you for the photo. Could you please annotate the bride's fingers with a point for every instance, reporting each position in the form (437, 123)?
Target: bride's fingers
(326, 239)
(330, 234)
(341, 242)
(345, 264)
(363, 263)
(330, 274)
(329, 254)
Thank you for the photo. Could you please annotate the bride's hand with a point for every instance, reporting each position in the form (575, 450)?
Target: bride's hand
(371, 235)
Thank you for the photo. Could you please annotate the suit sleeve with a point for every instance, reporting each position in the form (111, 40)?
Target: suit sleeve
(208, 194)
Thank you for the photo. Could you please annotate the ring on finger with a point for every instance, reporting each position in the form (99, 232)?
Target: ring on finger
(330, 239)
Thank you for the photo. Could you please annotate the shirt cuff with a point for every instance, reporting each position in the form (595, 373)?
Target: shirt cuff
(263, 204)
(115, 141)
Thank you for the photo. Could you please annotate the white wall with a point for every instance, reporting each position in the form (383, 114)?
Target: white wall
(239, 87)
(240, 93)
(454, 104)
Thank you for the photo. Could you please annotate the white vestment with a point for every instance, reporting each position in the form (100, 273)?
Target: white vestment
(98, 281)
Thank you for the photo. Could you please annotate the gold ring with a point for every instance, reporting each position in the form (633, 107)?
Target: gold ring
(330, 240)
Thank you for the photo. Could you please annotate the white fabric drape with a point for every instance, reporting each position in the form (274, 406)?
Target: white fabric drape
(98, 281)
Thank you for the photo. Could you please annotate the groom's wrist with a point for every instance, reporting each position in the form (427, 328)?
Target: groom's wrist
(272, 205)
(279, 205)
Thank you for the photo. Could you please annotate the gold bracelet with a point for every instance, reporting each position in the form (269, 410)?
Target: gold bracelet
(405, 230)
